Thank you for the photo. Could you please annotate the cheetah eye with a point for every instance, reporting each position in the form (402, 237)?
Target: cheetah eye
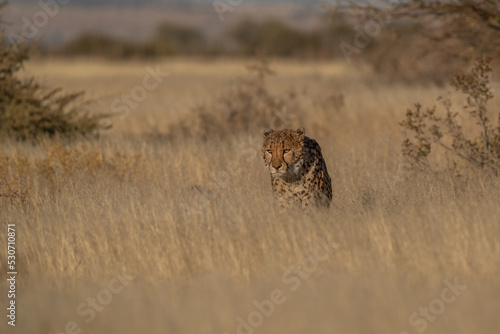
(269, 151)
(286, 151)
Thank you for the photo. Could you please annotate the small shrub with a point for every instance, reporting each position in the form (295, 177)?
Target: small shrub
(63, 165)
(424, 128)
(12, 191)
(27, 111)
(248, 107)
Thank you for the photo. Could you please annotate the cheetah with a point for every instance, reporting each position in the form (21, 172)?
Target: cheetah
(298, 171)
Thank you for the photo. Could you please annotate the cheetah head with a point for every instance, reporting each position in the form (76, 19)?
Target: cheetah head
(283, 152)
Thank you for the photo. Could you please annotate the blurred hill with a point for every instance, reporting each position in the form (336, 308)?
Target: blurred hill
(136, 20)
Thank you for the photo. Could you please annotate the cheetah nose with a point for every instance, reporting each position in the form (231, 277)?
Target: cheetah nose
(277, 165)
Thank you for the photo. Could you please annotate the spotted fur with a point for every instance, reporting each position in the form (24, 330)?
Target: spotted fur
(298, 171)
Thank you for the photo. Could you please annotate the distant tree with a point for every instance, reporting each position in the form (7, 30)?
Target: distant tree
(180, 40)
(95, 44)
(446, 32)
(476, 22)
(275, 39)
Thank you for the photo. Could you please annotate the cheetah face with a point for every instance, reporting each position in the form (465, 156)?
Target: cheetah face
(282, 152)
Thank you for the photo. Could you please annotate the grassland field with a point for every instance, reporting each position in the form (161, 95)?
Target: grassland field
(142, 232)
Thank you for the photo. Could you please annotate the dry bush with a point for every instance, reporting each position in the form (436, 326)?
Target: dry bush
(62, 165)
(480, 149)
(247, 107)
(12, 191)
(62, 162)
(28, 111)
(250, 106)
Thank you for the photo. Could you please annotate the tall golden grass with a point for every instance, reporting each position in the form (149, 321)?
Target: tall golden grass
(192, 219)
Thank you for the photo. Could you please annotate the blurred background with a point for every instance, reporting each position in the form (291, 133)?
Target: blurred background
(409, 47)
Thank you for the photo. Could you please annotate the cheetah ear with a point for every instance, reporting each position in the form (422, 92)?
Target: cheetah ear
(300, 133)
(268, 132)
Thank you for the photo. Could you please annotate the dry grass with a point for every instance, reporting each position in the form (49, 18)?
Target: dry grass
(193, 219)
